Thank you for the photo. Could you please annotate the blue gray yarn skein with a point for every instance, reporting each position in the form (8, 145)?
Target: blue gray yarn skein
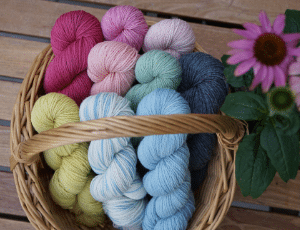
(167, 158)
(204, 86)
(117, 184)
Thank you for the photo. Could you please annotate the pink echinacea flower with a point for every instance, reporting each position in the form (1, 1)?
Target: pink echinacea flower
(266, 49)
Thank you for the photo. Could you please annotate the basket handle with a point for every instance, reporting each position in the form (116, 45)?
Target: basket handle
(123, 126)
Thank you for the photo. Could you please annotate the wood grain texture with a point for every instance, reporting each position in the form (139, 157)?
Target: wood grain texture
(4, 146)
(15, 225)
(238, 11)
(37, 18)
(9, 201)
(279, 194)
(8, 95)
(17, 56)
(246, 219)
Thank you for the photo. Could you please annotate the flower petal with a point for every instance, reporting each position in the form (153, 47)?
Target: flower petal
(241, 44)
(294, 52)
(280, 76)
(239, 57)
(294, 68)
(256, 68)
(253, 28)
(259, 77)
(246, 33)
(294, 83)
(279, 24)
(244, 67)
(290, 37)
(267, 82)
(284, 64)
(265, 22)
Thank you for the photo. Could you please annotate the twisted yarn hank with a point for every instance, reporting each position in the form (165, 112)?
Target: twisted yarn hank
(167, 158)
(117, 184)
(70, 162)
(203, 85)
(154, 69)
(111, 66)
(72, 37)
(125, 24)
(173, 36)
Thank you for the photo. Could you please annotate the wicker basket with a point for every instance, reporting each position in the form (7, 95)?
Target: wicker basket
(32, 175)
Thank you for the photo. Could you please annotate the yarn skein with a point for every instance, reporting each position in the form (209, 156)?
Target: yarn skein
(125, 24)
(70, 162)
(111, 66)
(204, 87)
(73, 35)
(117, 184)
(154, 69)
(173, 36)
(167, 158)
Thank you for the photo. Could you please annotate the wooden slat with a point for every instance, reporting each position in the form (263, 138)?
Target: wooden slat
(246, 219)
(279, 194)
(17, 56)
(231, 11)
(41, 15)
(9, 201)
(15, 225)
(8, 95)
(4, 146)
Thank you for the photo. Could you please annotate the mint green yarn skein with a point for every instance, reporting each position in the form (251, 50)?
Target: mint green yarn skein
(154, 69)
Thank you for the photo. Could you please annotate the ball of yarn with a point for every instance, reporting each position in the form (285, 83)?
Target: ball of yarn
(174, 36)
(154, 69)
(111, 66)
(167, 158)
(73, 35)
(70, 162)
(51, 111)
(198, 176)
(90, 211)
(125, 24)
(117, 184)
(204, 86)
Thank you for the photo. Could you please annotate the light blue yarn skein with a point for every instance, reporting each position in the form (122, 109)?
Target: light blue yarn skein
(167, 158)
(117, 184)
(154, 69)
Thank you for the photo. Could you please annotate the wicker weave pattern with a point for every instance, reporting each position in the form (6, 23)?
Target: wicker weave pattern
(32, 176)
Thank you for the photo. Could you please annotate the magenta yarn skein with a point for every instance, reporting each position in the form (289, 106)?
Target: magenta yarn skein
(111, 66)
(125, 24)
(173, 36)
(73, 35)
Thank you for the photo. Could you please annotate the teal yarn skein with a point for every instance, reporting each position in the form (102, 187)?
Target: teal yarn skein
(167, 158)
(117, 185)
(154, 69)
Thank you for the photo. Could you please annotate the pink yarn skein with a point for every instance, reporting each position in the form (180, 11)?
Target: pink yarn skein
(125, 24)
(73, 35)
(111, 66)
(173, 36)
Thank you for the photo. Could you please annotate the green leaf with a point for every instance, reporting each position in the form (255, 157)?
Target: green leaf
(292, 22)
(224, 60)
(282, 149)
(237, 82)
(245, 106)
(289, 124)
(254, 172)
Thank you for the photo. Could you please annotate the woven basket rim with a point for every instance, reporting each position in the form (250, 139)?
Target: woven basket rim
(30, 190)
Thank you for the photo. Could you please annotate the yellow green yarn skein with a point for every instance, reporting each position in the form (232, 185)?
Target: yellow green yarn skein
(70, 162)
